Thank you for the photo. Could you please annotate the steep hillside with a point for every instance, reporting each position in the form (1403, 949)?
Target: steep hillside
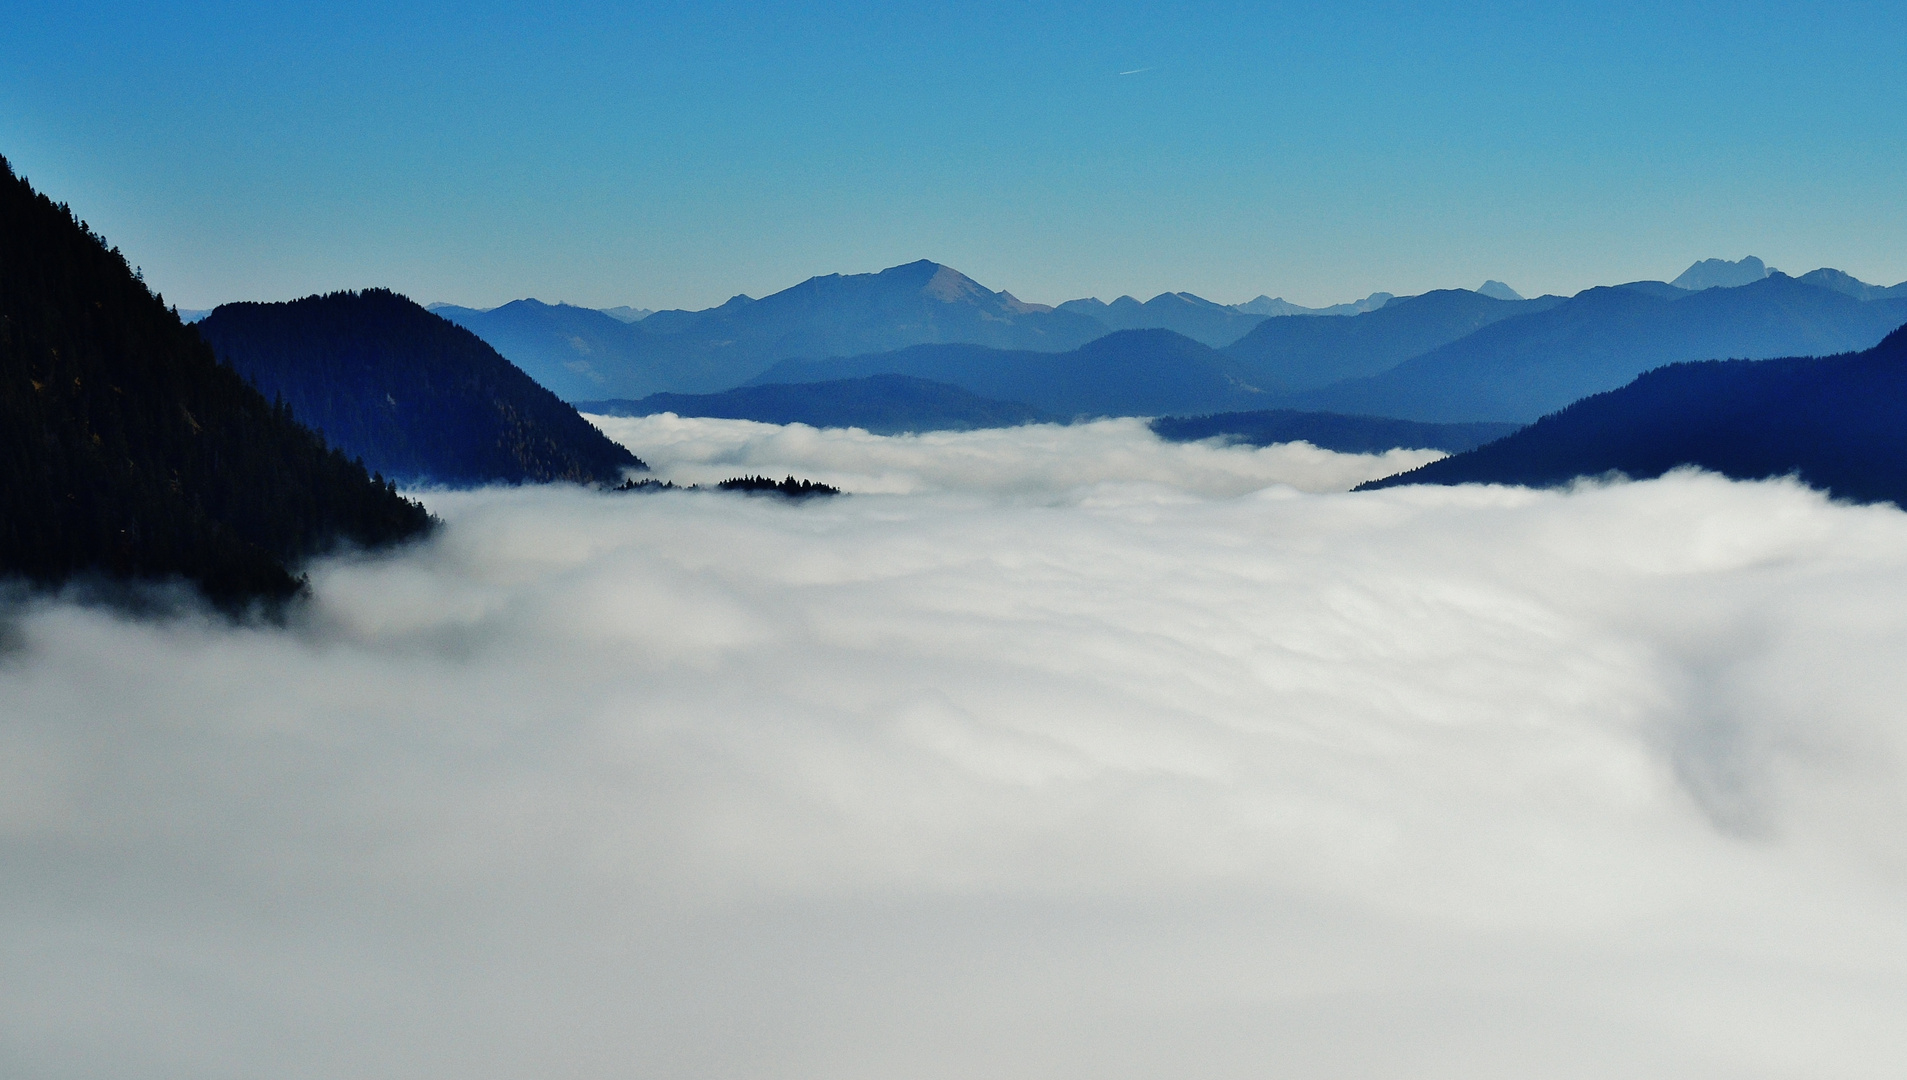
(882, 404)
(1839, 423)
(413, 395)
(128, 452)
(1519, 369)
(1129, 373)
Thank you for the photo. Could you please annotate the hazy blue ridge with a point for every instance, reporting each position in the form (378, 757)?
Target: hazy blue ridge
(573, 351)
(1330, 431)
(1519, 369)
(584, 354)
(128, 453)
(1195, 317)
(1837, 423)
(1126, 373)
(884, 404)
(413, 395)
(1295, 353)
(1721, 274)
(1850, 285)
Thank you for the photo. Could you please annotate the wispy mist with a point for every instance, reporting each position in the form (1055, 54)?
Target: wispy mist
(1122, 779)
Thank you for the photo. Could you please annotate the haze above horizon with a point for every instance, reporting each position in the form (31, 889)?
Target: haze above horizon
(652, 156)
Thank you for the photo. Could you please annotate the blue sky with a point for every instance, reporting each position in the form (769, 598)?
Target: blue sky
(674, 155)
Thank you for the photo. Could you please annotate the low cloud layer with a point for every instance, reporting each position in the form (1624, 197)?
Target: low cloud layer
(1035, 461)
(1121, 780)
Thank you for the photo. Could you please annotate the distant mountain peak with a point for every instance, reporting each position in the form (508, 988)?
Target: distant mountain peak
(1496, 290)
(950, 286)
(1722, 274)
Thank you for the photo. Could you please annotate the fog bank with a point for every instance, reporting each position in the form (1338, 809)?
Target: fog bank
(1033, 461)
(1009, 776)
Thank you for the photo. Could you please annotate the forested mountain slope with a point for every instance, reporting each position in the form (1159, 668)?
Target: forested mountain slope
(417, 397)
(128, 452)
(1839, 423)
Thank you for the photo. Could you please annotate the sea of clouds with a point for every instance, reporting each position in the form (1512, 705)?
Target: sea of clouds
(1051, 753)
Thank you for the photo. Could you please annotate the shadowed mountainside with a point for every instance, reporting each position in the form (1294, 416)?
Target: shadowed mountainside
(884, 404)
(415, 396)
(1839, 423)
(128, 452)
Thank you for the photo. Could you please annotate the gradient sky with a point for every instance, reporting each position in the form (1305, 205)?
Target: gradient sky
(672, 155)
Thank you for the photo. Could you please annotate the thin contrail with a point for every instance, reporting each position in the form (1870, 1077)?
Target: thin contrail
(1135, 71)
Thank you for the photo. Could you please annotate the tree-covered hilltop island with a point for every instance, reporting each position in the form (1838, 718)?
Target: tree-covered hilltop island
(129, 453)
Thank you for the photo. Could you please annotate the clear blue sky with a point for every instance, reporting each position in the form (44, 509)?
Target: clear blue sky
(671, 155)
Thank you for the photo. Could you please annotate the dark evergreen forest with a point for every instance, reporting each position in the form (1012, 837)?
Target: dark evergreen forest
(128, 452)
(1839, 423)
(417, 397)
(761, 485)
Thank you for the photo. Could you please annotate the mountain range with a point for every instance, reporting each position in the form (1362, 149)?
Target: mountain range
(417, 398)
(1287, 355)
(1518, 369)
(1450, 355)
(1125, 373)
(585, 354)
(1838, 423)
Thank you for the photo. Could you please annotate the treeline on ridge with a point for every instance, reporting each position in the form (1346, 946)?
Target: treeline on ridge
(128, 452)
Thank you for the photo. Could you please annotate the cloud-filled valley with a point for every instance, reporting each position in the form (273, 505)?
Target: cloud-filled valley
(1053, 751)
(1033, 461)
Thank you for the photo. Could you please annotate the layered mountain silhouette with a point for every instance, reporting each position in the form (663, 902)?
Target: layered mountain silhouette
(127, 452)
(1194, 317)
(1721, 274)
(1518, 369)
(575, 352)
(1849, 285)
(1127, 373)
(416, 397)
(1330, 431)
(1444, 356)
(1839, 424)
(1278, 305)
(583, 354)
(884, 404)
(1295, 353)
